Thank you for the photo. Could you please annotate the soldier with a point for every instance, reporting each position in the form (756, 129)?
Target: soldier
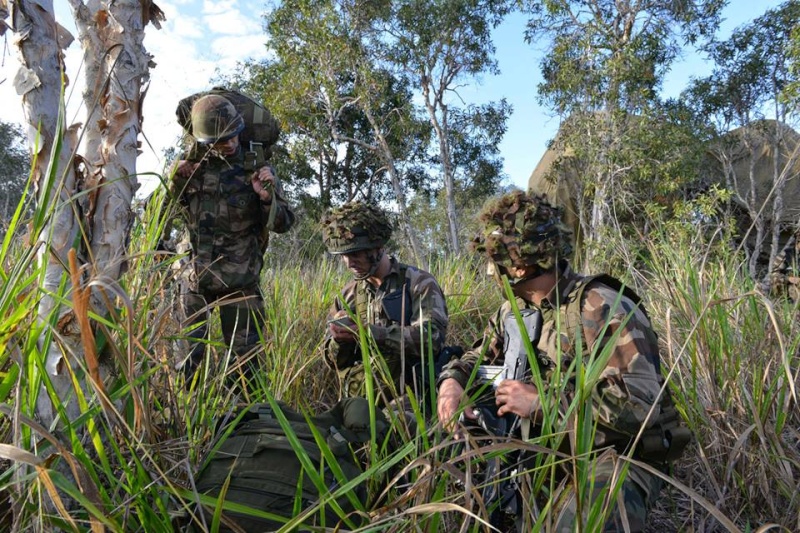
(229, 209)
(526, 243)
(785, 275)
(402, 306)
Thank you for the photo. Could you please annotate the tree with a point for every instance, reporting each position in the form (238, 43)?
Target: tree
(85, 200)
(15, 165)
(351, 121)
(604, 65)
(751, 69)
(439, 45)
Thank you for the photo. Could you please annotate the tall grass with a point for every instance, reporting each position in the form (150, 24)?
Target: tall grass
(129, 463)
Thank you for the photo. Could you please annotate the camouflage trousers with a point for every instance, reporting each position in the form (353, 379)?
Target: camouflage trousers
(241, 314)
(630, 507)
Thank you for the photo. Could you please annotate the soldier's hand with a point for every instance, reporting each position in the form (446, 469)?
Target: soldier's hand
(342, 328)
(451, 394)
(517, 397)
(185, 169)
(263, 183)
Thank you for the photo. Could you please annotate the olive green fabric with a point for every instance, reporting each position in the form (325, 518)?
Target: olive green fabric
(355, 226)
(263, 470)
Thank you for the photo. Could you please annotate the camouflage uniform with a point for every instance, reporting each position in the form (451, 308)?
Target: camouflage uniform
(631, 381)
(417, 328)
(406, 315)
(785, 275)
(227, 228)
(627, 387)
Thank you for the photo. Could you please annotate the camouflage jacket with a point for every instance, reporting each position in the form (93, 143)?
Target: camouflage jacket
(227, 223)
(394, 334)
(631, 381)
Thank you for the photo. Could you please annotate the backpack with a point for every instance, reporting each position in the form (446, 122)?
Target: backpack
(258, 466)
(261, 129)
(669, 436)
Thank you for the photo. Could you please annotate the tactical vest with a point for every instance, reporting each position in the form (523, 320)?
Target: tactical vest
(668, 437)
(257, 465)
(396, 305)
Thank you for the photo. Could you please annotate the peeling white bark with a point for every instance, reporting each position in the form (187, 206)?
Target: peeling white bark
(116, 67)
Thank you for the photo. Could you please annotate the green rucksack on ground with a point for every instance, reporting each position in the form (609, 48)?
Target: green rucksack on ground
(258, 466)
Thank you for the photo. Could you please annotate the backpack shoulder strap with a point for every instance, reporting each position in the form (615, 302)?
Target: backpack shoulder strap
(571, 311)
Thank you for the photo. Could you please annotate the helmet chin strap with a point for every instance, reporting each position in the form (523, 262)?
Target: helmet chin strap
(499, 272)
(374, 262)
(533, 274)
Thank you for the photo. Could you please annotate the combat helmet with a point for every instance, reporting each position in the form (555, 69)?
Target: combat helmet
(215, 119)
(355, 226)
(521, 230)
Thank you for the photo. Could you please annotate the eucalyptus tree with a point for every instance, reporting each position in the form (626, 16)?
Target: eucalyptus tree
(744, 93)
(441, 45)
(84, 210)
(350, 123)
(604, 64)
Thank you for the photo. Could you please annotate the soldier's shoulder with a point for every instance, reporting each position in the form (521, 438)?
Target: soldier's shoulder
(417, 275)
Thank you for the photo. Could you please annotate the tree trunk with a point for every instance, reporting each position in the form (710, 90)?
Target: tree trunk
(40, 41)
(117, 71)
(447, 164)
(388, 159)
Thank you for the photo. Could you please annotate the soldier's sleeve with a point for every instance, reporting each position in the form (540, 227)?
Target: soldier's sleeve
(340, 355)
(428, 328)
(630, 384)
(488, 348)
(284, 217)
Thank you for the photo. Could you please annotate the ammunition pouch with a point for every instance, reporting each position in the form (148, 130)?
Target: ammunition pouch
(665, 441)
(254, 158)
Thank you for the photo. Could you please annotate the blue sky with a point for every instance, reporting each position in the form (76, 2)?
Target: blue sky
(200, 37)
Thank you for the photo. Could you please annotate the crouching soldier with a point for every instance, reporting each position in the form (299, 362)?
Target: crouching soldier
(526, 244)
(402, 307)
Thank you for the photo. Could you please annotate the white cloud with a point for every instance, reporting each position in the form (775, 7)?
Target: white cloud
(231, 49)
(215, 7)
(188, 27)
(232, 23)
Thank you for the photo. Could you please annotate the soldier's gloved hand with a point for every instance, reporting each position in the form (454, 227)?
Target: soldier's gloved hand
(263, 183)
(451, 394)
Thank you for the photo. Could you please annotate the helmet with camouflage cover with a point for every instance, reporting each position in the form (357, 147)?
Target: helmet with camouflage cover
(215, 119)
(521, 230)
(355, 226)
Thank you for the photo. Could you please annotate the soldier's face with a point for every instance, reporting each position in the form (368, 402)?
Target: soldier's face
(227, 147)
(359, 263)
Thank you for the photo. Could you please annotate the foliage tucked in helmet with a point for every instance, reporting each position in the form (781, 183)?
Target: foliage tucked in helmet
(355, 226)
(521, 230)
(215, 119)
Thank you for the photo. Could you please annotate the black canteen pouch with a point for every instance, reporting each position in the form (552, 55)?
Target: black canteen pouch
(666, 441)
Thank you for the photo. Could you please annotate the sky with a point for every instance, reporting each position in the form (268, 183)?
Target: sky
(203, 37)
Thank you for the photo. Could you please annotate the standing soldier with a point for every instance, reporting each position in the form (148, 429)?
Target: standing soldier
(785, 275)
(402, 306)
(230, 203)
(527, 244)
